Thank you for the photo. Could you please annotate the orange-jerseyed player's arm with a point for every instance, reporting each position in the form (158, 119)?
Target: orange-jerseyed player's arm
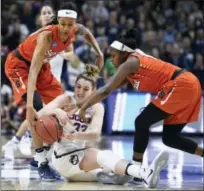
(68, 54)
(91, 39)
(125, 69)
(44, 41)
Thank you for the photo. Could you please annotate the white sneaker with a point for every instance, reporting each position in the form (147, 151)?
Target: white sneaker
(9, 148)
(25, 145)
(112, 178)
(151, 174)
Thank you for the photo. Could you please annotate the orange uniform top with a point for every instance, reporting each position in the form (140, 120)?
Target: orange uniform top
(152, 74)
(27, 47)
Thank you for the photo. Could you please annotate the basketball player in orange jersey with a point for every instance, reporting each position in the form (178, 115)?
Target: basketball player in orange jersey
(46, 15)
(73, 159)
(28, 70)
(178, 95)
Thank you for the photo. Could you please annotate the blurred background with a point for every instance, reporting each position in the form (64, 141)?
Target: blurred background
(170, 30)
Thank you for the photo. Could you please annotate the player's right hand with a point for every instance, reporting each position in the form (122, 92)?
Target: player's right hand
(61, 116)
(31, 116)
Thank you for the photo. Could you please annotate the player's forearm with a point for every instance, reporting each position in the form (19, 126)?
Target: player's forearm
(32, 79)
(49, 109)
(100, 60)
(86, 135)
(97, 97)
(67, 55)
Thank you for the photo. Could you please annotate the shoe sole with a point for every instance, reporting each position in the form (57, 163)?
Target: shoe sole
(48, 180)
(116, 179)
(160, 163)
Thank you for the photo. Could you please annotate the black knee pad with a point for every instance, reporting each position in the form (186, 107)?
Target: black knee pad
(37, 103)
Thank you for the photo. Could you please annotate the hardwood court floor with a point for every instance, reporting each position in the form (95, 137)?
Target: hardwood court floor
(184, 171)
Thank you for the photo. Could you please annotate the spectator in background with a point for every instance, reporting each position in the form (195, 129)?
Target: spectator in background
(28, 14)
(101, 13)
(112, 28)
(175, 55)
(130, 24)
(198, 43)
(166, 55)
(109, 70)
(17, 32)
(198, 68)
(149, 41)
(170, 33)
(187, 56)
(122, 23)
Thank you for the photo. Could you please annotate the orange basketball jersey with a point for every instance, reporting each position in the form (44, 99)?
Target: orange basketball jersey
(152, 74)
(27, 47)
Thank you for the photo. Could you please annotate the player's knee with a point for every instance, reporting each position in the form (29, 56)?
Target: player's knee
(107, 159)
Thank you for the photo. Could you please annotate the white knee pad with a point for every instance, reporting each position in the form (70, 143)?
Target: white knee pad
(108, 159)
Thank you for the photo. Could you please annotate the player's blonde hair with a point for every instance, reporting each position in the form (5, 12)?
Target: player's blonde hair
(91, 73)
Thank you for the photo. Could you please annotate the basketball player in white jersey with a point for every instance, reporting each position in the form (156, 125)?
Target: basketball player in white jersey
(24, 142)
(72, 159)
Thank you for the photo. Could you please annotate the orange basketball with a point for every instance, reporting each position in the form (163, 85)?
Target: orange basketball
(48, 129)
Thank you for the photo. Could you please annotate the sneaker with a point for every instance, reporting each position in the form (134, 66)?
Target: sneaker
(151, 175)
(112, 178)
(34, 164)
(9, 148)
(46, 172)
(25, 145)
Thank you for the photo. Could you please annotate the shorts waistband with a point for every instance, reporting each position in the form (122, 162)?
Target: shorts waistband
(20, 57)
(177, 73)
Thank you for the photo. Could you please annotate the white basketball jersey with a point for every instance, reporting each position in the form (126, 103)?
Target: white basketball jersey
(79, 125)
(56, 64)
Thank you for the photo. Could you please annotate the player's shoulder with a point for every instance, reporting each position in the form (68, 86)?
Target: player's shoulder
(99, 107)
(45, 35)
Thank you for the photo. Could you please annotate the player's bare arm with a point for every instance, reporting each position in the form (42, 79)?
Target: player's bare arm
(82, 30)
(43, 44)
(125, 69)
(44, 41)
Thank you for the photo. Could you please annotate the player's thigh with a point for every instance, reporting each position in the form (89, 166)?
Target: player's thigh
(50, 92)
(68, 165)
(89, 162)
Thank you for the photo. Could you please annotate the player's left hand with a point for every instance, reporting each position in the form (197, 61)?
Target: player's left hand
(82, 113)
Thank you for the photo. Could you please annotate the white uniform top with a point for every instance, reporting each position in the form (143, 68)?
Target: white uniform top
(56, 65)
(76, 124)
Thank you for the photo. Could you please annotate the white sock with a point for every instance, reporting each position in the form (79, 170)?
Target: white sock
(134, 169)
(15, 140)
(40, 157)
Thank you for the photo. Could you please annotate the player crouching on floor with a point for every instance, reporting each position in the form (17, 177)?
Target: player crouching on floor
(72, 159)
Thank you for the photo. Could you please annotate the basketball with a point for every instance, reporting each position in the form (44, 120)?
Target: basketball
(48, 129)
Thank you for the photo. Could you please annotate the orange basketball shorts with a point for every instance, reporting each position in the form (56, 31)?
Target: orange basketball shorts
(17, 72)
(181, 98)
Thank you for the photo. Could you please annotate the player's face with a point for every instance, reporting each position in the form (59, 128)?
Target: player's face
(66, 25)
(83, 89)
(116, 57)
(46, 15)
